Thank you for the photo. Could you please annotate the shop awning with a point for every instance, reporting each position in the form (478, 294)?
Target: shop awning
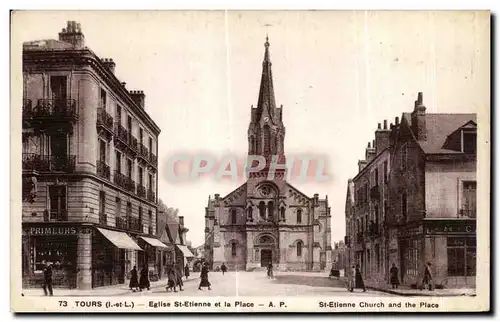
(119, 239)
(155, 242)
(185, 251)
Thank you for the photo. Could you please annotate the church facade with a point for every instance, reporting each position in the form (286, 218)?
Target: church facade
(268, 220)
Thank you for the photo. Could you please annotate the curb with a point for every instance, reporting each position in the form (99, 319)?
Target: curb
(390, 291)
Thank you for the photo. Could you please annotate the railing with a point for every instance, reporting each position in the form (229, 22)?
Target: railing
(55, 108)
(153, 159)
(123, 181)
(104, 119)
(55, 215)
(121, 133)
(151, 195)
(64, 163)
(27, 108)
(132, 142)
(141, 191)
(103, 169)
(467, 213)
(135, 224)
(121, 223)
(103, 218)
(143, 151)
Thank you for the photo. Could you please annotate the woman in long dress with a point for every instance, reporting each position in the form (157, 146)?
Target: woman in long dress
(178, 278)
(134, 282)
(144, 280)
(171, 280)
(358, 280)
(394, 272)
(204, 277)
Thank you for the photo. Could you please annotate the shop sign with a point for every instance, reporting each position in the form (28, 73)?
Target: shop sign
(51, 231)
(450, 228)
(410, 231)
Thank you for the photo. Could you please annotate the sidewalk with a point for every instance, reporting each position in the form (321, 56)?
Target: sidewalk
(404, 290)
(113, 290)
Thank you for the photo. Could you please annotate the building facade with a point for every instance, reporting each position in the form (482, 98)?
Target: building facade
(429, 201)
(89, 168)
(268, 220)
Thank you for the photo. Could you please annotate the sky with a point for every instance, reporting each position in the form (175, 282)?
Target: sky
(336, 73)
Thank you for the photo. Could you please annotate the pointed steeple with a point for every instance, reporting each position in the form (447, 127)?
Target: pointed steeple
(266, 103)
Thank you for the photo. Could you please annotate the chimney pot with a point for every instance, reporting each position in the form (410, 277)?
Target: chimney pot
(385, 124)
(123, 84)
(396, 121)
(369, 145)
(64, 30)
(420, 97)
(373, 143)
(379, 126)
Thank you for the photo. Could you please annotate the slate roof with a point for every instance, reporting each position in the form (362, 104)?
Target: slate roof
(439, 127)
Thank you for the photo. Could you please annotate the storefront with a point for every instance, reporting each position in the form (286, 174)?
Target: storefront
(54, 244)
(153, 249)
(182, 255)
(411, 255)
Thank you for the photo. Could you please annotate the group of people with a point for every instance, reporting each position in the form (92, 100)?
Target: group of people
(139, 283)
(356, 279)
(174, 275)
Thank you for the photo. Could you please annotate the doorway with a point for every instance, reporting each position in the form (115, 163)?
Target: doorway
(266, 257)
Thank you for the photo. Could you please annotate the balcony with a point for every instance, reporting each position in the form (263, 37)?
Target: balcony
(121, 133)
(124, 181)
(135, 224)
(55, 215)
(142, 152)
(375, 192)
(48, 163)
(105, 123)
(121, 223)
(27, 109)
(467, 213)
(153, 159)
(125, 140)
(151, 195)
(55, 110)
(103, 170)
(103, 218)
(141, 191)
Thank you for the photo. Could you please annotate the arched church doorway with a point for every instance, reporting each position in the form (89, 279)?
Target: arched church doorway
(267, 249)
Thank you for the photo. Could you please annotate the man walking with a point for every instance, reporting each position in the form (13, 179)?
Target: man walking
(223, 268)
(428, 278)
(47, 279)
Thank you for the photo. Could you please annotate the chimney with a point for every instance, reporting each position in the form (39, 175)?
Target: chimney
(181, 220)
(138, 97)
(109, 63)
(418, 124)
(124, 84)
(370, 152)
(361, 165)
(73, 34)
(382, 138)
(316, 199)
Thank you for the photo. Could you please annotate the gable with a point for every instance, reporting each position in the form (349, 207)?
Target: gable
(237, 196)
(296, 195)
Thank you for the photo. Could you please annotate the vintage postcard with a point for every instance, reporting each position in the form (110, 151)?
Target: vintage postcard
(250, 161)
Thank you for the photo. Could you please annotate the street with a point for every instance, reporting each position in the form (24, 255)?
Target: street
(257, 284)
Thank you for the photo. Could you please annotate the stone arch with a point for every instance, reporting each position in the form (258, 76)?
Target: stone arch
(265, 239)
(273, 190)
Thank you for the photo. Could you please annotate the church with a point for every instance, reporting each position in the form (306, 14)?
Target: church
(268, 221)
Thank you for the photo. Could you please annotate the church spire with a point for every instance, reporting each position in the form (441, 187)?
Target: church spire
(266, 103)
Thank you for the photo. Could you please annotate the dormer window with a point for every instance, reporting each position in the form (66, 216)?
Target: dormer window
(469, 138)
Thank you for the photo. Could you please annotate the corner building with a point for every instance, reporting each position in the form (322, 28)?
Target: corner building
(268, 221)
(89, 168)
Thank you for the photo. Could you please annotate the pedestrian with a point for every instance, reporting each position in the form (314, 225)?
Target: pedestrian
(178, 277)
(144, 280)
(394, 273)
(134, 280)
(358, 280)
(171, 280)
(47, 279)
(204, 277)
(223, 268)
(270, 271)
(428, 278)
(186, 271)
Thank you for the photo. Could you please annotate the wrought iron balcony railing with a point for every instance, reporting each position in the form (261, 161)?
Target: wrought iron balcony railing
(27, 108)
(142, 151)
(135, 224)
(153, 159)
(121, 223)
(121, 133)
(123, 181)
(103, 169)
(46, 163)
(467, 213)
(104, 119)
(141, 191)
(151, 195)
(55, 215)
(57, 109)
(103, 218)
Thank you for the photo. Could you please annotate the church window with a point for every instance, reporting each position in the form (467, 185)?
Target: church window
(233, 216)
(262, 209)
(267, 139)
(299, 248)
(270, 210)
(233, 249)
(282, 213)
(299, 216)
(252, 145)
(250, 213)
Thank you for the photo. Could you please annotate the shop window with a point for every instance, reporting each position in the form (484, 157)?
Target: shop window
(233, 249)
(55, 250)
(299, 248)
(461, 256)
(299, 216)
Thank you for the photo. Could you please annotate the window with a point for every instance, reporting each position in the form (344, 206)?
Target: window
(233, 249)
(129, 210)
(102, 202)
(129, 124)
(469, 199)
(141, 135)
(299, 216)
(129, 168)
(270, 210)
(404, 207)
(150, 181)
(233, 216)
(57, 196)
(267, 139)
(386, 172)
(469, 141)
(262, 210)
(150, 217)
(118, 162)
(252, 145)
(299, 248)
(461, 256)
(150, 145)
(119, 114)
(102, 99)
(250, 213)
(141, 175)
(102, 151)
(118, 208)
(140, 215)
(282, 213)
(375, 177)
(404, 157)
